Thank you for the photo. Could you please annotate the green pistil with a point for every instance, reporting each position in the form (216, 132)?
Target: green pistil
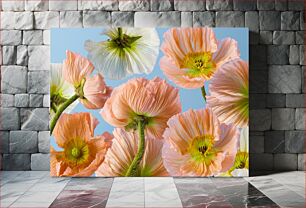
(75, 152)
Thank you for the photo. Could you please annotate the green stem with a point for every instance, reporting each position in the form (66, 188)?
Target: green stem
(203, 93)
(60, 110)
(132, 171)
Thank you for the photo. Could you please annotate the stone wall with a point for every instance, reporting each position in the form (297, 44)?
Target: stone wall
(276, 68)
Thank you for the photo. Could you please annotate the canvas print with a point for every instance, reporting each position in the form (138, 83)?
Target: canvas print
(149, 102)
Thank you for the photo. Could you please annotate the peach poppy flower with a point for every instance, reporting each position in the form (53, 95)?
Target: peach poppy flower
(124, 148)
(82, 152)
(229, 93)
(196, 144)
(92, 91)
(192, 55)
(152, 101)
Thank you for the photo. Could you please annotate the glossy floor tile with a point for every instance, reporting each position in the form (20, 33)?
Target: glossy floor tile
(38, 189)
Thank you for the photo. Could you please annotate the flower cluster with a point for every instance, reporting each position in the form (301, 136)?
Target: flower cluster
(152, 136)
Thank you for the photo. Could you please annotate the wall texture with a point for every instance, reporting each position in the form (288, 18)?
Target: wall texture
(277, 124)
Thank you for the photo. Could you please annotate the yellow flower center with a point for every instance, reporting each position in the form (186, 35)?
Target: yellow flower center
(199, 64)
(79, 89)
(241, 161)
(76, 152)
(202, 149)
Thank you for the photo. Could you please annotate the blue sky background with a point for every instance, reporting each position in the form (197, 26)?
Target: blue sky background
(74, 39)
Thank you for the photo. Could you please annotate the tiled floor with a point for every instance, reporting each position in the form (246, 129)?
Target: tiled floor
(37, 189)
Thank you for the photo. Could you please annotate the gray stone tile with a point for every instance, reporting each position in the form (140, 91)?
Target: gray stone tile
(274, 142)
(285, 162)
(294, 141)
(283, 118)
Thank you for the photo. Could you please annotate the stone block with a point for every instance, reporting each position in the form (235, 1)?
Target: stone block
(22, 100)
(14, 79)
(44, 141)
(7, 20)
(251, 21)
(283, 37)
(24, 20)
(4, 141)
(294, 54)
(12, 5)
(23, 142)
(202, 19)
(96, 19)
(246, 5)
(33, 37)
(265, 5)
(37, 120)
(294, 141)
(301, 162)
(63, 5)
(302, 55)
(229, 19)
(278, 54)
(135, 5)
(266, 37)
(46, 101)
(46, 37)
(269, 20)
(36, 5)
(10, 118)
(16, 162)
(297, 5)
(98, 5)
(38, 82)
(285, 79)
(157, 19)
(258, 82)
(11, 37)
(46, 20)
(40, 162)
(283, 118)
(162, 5)
(36, 100)
(216, 5)
(281, 5)
(257, 101)
(122, 19)
(195, 5)
(276, 100)
(71, 19)
(290, 21)
(260, 120)
(9, 55)
(256, 144)
(295, 100)
(300, 119)
(274, 141)
(285, 162)
(261, 161)
(299, 37)
(302, 20)
(6, 100)
(39, 58)
(186, 19)
(22, 55)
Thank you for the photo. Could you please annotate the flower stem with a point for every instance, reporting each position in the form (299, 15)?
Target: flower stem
(203, 93)
(132, 171)
(60, 110)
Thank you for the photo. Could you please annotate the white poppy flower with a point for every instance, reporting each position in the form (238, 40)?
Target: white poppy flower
(127, 51)
(60, 90)
(240, 172)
